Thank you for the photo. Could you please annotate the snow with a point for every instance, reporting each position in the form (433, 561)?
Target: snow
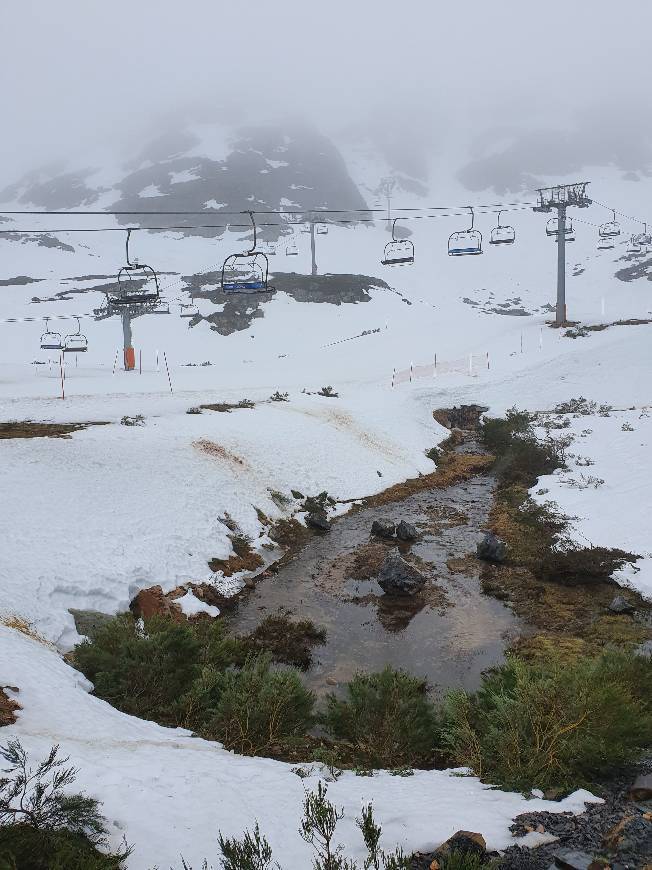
(193, 788)
(191, 605)
(150, 191)
(618, 446)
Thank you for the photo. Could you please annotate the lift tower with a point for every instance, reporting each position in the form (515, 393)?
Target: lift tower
(560, 198)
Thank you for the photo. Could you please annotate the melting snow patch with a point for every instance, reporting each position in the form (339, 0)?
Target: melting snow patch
(191, 605)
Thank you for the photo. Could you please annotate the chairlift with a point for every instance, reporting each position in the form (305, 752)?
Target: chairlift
(50, 340)
(609, 230)
(644, 239)
(291, 250)
(189, 310)
(465, 242)
(398, 252)
(606, 243)
(322, 229)
(75, 342)
(633, 247)
(137, 283)
(247, 271)
(552, 229)
(502, 234)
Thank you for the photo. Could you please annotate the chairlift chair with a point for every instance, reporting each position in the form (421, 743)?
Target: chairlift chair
(644, 239)
(291, 250)
(248, 271)
(398, 252)
(322, 229)
(611, 229)
(137, 283)
(633, 247)
(50, 340)
(552, 229)
(190, 310)
(606, 243)
(75, 342)
(465, 242)
(502, 234)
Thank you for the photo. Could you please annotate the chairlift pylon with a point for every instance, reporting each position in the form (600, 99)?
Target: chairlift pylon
(398, 252)
(137, 283)
(611, 229)
(248, 271)
(465, 242)
(502, 234)
(76, 342)
(50, 340)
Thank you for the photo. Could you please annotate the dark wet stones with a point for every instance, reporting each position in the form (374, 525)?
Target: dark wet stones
(491, 548)
(383, 528)
(398, 577)
(406, 531)
(570, 859)
(319, 522)
(620, 605)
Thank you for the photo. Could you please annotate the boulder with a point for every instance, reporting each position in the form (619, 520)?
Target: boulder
(620, 605)
(464, 841)
(318, 521)
(644, 649)
(641, 790)
(406, 531)
(491, 548)
(570, 859)
(398, 577)
(152, 602)
(383, 528)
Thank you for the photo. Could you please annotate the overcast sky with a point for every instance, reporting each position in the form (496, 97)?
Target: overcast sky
(82, 72)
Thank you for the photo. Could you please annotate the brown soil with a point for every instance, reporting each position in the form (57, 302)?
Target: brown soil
(453, 468)
(242, 559)
(29, 429)
(8, 707)
(210, 448)
(227, 407)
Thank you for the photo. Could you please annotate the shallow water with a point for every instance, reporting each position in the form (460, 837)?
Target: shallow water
(449, 633)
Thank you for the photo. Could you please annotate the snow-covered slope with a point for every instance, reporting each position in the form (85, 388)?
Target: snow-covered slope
(93, 518)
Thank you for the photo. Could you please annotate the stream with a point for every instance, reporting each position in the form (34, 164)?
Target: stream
(448, 633)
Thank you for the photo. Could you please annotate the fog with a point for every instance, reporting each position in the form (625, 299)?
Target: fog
(81, 74)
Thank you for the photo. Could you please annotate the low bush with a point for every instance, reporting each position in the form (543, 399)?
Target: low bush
(575, 565)
(552, 723)
(317, 828)
(386, 718)
(520, 457)
(257, 708)
(144, 673)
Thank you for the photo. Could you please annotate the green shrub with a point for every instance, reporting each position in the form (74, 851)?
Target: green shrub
(143, 673)
(23, 847)
(553, 723)
(42, 825)
(255, 708)
(387, 718)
